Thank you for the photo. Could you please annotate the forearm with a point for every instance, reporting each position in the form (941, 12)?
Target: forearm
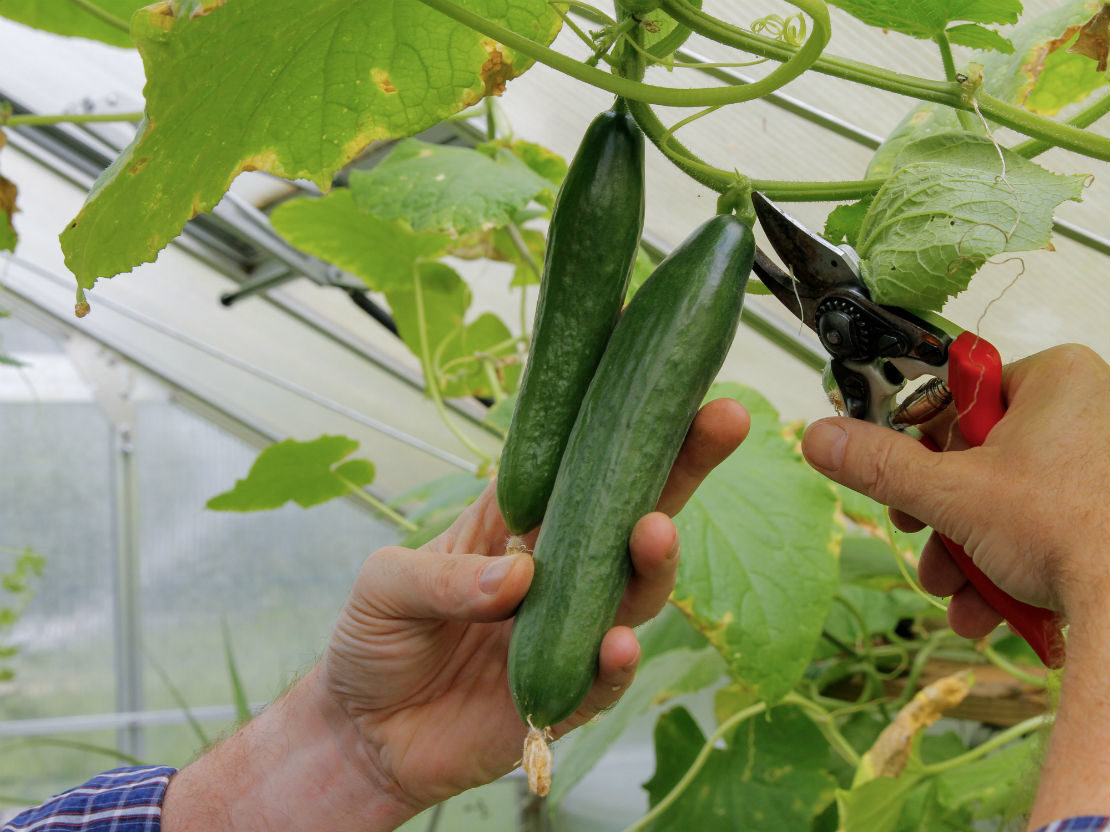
(298, 765)
(1075, 779)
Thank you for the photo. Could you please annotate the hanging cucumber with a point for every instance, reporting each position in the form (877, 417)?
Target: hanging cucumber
(591, 249)
(662, 357)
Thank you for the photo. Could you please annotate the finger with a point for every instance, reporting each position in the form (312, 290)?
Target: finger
(417, 584)
(970, 615)
(717, 430)
(936, 570)
(654, 549)
(894, 469)
(904, 522)
(617, 662)
(944, 431)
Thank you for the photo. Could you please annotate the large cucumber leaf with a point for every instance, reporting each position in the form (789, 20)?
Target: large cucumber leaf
(758, 569)
(279, 85)
(770, 776)
(65, 18)
(954, 201)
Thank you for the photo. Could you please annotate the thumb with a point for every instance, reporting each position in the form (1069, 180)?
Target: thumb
(888, 466)
(400, 583)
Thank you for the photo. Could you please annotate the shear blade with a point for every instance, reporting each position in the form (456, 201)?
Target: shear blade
(815, 262)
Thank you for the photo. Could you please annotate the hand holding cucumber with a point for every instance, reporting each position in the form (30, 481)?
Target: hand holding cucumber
(417, 658)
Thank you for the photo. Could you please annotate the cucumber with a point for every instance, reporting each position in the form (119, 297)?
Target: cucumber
(591, 250)
(663, 355)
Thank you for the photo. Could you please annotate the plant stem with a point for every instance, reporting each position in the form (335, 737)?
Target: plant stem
(721, 180)
(100, 14)
(380, 506)
(696, 766)
(826, 725)
(69, 118)
(948, 93)
(429, 374)
(795, 64)
(966, 121)
(997, 741)
(1084, 118)
(1002, 663)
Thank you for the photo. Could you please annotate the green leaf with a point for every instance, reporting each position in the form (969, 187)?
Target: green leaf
(1039, 74)
(658, 680)
(844, 221)
(547, 163)
(670, 630)
(997, 784)
(291, 88)
(979, 37)
(881, 611)
(928, 18)
(662, 34)
(66, 18)
(437, 187)
(759, 546)
(500, 416)
(946, 210)
(769, 777)
(876, 805)
(381, 252)
(456, 349)
(305, 472)
(452, 491)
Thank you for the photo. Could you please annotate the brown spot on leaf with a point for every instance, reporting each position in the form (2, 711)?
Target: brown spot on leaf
(265, 161)
(382, 81)
(497, 70)
(1094, 38)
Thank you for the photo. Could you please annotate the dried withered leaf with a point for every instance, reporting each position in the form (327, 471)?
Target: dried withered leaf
(891, 751)
(1094, 38)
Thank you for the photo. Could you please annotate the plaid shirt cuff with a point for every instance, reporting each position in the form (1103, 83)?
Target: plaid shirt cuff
(1087, 823)
(121, 800)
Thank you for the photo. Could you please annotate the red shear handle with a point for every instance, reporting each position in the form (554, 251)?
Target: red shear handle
(975, 379)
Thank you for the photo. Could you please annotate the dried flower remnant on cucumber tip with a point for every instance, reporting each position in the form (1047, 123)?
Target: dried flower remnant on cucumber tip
(536, 760)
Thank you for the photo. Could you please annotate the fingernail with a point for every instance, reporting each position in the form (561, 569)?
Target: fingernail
(493, 574)
(824, 445)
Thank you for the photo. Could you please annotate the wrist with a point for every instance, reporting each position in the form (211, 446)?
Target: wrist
(301, 764)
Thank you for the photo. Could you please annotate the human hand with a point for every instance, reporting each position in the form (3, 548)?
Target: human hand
(1029, 506)
(417, 660)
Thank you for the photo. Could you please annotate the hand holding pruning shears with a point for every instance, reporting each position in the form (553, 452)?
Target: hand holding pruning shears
(996, 550)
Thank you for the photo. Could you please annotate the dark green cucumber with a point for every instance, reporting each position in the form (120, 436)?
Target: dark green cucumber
(663, 355)
(591, 250)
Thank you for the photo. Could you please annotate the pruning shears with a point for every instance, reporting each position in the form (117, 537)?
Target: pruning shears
(874, 351)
